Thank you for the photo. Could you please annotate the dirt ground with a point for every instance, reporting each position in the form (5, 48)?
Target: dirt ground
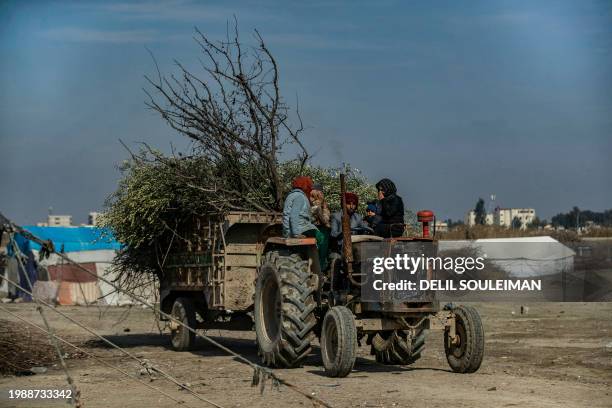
(558, 355)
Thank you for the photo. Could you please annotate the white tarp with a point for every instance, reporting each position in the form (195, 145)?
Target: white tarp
(520, 257)
(111, 297)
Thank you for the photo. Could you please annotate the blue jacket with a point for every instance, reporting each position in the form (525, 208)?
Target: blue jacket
(356, 222)
(296, 214)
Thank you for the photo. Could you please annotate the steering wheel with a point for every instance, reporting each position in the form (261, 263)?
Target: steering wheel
(361, 231)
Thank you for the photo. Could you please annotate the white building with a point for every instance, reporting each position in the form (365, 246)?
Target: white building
(94, 218)
(503, 217)
(441, 226)
(470, 219)
(56, 221)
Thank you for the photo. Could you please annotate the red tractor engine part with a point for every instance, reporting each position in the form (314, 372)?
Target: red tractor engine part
(425, 216)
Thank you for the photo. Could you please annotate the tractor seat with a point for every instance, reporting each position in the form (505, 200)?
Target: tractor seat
(365, 238)
(292, 241)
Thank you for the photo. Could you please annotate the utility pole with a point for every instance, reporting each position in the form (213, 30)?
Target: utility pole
(577, 220)
(492, 207)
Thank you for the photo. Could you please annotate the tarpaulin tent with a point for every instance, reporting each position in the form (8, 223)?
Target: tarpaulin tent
(521, 257)
(93, 249)
(541, 257)
(73, 239)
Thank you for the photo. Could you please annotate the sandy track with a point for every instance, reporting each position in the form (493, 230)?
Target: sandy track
(556, 356)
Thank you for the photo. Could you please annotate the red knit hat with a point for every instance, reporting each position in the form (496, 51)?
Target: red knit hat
(304, 183)
(351, 198)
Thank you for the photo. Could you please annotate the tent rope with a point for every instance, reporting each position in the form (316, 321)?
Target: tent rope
(145, 363)
(260, 374)
(76, 400)
(98, 359)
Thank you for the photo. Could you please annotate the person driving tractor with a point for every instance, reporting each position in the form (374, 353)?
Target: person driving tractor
(357, 222)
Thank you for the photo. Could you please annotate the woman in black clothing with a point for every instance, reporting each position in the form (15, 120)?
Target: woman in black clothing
(392, 210)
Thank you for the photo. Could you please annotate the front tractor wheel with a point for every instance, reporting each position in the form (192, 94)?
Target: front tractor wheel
(284, 310)
(465, 351)
(399, 346)
(338, 342)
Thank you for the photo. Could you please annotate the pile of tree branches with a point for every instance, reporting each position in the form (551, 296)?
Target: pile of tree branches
(235, 115)
(158, 195)
(240, 126)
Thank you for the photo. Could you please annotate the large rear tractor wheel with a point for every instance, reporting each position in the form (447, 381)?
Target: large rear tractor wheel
(183, 310)
(398, 346)
(338, 342)
(284, 310)
(465, 352)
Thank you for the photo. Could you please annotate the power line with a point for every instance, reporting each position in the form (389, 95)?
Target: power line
(145, 364)
(260, 373)
(92, 355)
(75, 391)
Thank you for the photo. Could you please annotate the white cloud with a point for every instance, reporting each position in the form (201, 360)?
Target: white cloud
(75, 34)
(173, 10)
(503, 17)
(165, 10)
(319, 42)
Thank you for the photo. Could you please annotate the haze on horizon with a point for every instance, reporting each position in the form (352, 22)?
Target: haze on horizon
(453, 102)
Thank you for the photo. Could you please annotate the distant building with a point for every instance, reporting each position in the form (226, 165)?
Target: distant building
(94, 218)
(470, 219)
(503, 217)
(56, 221)
(441, 226)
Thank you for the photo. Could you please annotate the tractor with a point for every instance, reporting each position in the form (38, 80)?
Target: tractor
(239, 271)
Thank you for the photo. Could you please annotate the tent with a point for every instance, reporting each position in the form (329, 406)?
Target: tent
(75, 239)
(541, 257)
(64, 283)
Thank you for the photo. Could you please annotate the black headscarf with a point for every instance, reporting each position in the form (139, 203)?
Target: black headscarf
(386, 186)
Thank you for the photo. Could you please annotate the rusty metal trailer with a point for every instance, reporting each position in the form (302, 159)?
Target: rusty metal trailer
(208, 277)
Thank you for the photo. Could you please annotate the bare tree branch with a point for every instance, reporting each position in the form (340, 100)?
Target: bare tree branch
(234, 113)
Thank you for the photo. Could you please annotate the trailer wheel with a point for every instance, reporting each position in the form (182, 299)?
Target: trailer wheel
(338, 342)
(398, 347)
(284, 310)
(466, 353)
(183, 311)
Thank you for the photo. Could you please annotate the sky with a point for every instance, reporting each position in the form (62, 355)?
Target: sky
(451, 100)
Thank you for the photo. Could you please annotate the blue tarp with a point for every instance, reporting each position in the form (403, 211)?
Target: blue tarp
(73, 239)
